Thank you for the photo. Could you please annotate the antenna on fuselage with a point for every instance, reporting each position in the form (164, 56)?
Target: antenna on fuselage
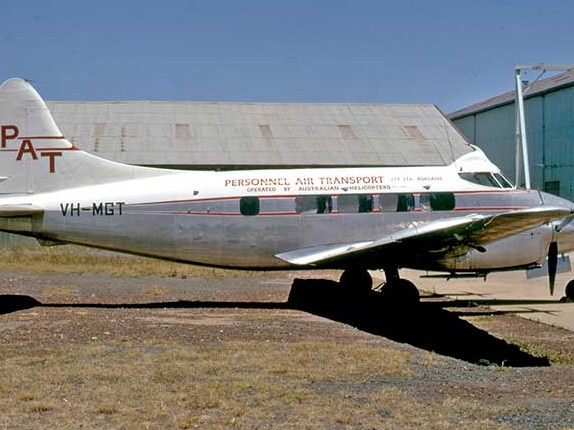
(520, 128)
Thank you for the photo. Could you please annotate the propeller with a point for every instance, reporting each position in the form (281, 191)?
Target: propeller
(553, 253)
(552, 264)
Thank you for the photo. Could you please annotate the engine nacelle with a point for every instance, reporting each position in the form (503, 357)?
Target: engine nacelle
(522, 250)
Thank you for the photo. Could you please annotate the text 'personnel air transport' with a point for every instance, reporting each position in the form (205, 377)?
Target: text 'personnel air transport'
(464, 218)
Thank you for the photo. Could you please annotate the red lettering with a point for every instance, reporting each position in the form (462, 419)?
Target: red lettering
(5, 135)
(52, 156)
(26, 147)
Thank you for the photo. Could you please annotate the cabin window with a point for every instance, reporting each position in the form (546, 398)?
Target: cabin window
(388, 202)
(353, 203)
(321, 204)
(276, 205)
(404, 202)
(324, 204)
(365, 203)
(249, 206)
(437, 201)
(424, 202)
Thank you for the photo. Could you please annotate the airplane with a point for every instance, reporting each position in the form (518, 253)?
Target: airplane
(461, 219)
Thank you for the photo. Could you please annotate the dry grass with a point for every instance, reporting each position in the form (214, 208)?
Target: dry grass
(236, 384)
(143, 381)
(78, 259)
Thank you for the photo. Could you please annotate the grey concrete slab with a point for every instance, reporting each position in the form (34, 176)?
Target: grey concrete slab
(507, 291)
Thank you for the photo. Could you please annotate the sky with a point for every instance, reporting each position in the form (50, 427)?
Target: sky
(451, 53)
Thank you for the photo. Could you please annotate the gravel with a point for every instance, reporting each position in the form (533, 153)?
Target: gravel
(455, 351)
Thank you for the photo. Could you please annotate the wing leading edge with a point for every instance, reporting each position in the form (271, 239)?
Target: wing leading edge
(452, 236)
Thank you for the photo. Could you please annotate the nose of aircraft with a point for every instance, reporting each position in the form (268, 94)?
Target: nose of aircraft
(564, 228)
(565, 235)
(552, 200)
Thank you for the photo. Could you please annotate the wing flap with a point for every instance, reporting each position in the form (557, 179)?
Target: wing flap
(455, 235)
(316, 254)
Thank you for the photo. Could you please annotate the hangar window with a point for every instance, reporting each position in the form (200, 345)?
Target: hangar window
(265, 130)
(321, 204)
(182, 131)
(249, 206)
(437, 201)
(552, 187)
(346, 131)
(99, 129)
(392, 202)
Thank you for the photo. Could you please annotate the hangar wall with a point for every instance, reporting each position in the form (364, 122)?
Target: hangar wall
(549, 113)
(223, 135)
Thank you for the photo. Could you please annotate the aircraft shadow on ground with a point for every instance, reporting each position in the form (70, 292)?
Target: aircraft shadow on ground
(429, 325)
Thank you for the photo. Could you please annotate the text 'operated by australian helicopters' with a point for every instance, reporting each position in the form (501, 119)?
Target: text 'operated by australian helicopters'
(464, 218)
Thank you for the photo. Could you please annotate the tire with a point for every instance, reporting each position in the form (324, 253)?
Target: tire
(356, 280)
(400, 292)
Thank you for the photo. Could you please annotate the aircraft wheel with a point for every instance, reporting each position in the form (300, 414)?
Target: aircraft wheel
(356, 280)
(401, 292)
(569, 290)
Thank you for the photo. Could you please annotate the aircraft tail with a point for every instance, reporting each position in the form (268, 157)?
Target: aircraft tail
(34, 155)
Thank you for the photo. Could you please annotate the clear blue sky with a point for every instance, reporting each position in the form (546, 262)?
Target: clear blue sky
(447, 52)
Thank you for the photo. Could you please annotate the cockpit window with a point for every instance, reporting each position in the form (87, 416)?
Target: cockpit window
(486, 178)
(503, 181)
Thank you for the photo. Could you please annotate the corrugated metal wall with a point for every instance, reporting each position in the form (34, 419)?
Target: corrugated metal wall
(550, 134)
(232, 135)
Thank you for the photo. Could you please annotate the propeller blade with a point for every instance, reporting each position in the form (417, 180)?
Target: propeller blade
(552, 264)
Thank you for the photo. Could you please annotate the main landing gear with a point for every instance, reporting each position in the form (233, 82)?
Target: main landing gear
(395, 290)
(569, 291)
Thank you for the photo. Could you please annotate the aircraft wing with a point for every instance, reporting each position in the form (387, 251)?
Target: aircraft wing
(447, 236)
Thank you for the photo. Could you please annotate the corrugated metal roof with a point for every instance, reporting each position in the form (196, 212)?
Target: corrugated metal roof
(543, 86)
(208, 134)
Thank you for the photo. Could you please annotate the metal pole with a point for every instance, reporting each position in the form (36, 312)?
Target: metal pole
(521, 127)
(517, 158)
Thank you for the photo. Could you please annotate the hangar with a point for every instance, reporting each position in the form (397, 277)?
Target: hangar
(222, 136)
(549, 112)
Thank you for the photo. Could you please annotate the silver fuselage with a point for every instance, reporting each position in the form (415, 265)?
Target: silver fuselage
(269, 219)
(200, 223)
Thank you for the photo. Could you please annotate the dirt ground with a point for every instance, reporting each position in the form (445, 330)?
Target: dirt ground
(291, 355)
